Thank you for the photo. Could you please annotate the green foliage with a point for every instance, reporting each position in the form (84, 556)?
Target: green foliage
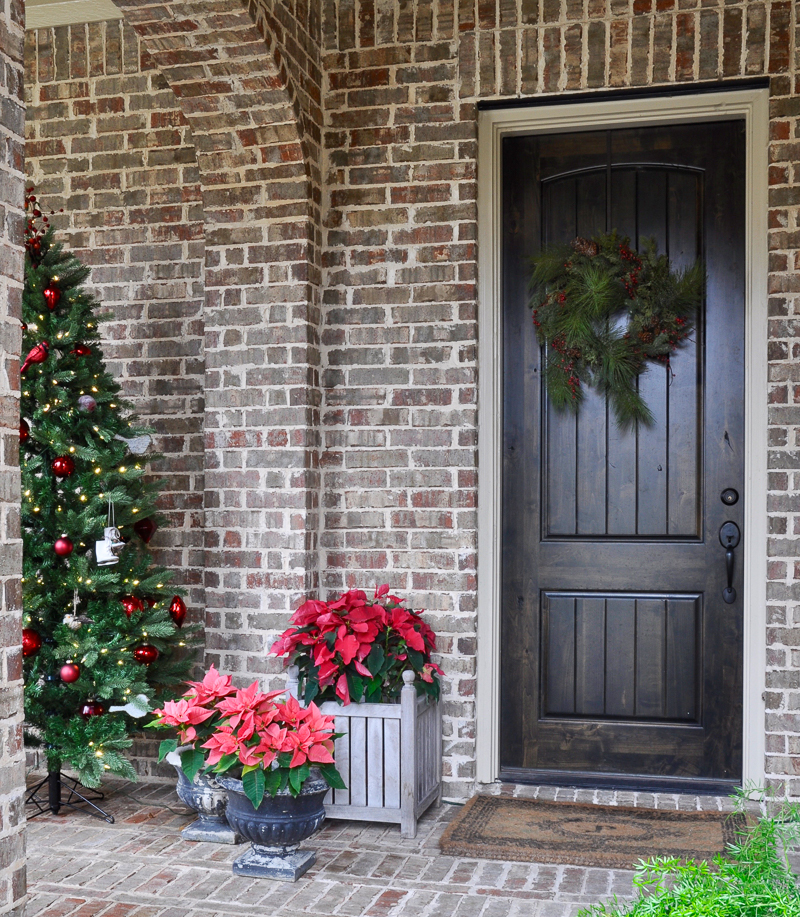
(76, 506)
(752, 880)
(604, 312)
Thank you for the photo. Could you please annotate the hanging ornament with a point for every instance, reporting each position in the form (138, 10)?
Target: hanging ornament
(86, 404)
(70, 672)
(52, 295)
(37, 354)
(130, 603)
(151, 601)
(137, 708)
(145, 653)
(137, 445)
(81, 350)
(91, 708)
(63, 466)
(75, 621)
(31, 641)
(24, 431)
(177, 610)
(63, 546)
(145, 529)
(107, 551)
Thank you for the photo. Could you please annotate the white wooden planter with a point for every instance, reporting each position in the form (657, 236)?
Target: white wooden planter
(390, 757)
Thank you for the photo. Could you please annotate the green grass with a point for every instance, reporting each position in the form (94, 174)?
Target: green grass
(753, 878)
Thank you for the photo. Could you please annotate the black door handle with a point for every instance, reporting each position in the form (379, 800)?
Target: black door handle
(729, 536)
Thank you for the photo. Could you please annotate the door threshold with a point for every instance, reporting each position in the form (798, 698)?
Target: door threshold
(637, 783)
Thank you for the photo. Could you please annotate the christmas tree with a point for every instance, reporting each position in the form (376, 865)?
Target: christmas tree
(101, 629)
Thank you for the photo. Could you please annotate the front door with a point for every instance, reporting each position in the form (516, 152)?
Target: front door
(621, 662)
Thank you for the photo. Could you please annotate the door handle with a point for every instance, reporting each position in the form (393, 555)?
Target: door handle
(729, 537)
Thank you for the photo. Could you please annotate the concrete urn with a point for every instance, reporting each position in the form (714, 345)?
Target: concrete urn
(209, 799)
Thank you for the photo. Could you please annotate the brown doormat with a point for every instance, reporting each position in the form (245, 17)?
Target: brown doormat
(610, 837)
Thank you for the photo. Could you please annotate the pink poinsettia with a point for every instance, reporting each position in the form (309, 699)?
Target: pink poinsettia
(354, 648)
(184, 714)
(212, 687)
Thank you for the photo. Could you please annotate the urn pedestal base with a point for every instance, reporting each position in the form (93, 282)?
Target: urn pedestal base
(211, 830)
(272, 863)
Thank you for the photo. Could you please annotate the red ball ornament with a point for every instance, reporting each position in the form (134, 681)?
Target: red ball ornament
(177, 610)
(63, 546)
(81, 350)
(145, 653)
(52, 295)
(70, 672)
(91, 708)
(130, 603)
(145, 529)
(63, 466)
(31, 641)
(24, 431)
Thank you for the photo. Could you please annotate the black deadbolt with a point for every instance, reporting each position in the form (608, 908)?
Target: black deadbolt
(729, 496)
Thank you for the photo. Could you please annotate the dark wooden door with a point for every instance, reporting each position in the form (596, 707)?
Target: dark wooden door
(621, 663)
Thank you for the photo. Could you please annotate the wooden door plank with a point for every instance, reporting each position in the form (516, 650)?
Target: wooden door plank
(681, 661)
(590, 465)
(650, 633)
(620, 656)
(560, 434)
(559, 664)
(590, 655)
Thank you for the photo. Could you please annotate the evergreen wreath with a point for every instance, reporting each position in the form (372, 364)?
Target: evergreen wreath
(602, 310)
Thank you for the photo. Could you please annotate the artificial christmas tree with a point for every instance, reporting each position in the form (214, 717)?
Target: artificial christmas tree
(101, 632)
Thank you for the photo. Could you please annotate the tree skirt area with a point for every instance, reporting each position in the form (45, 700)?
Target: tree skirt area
(607, 837)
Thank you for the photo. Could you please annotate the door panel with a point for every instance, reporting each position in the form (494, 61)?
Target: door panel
(619, 656)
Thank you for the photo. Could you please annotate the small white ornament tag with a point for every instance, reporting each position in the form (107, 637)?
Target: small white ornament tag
(137, 445)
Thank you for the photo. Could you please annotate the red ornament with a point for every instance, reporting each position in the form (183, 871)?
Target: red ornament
(86, 404)
(24, 431)
(145, 529)
(177, 610)
(31, 641)
(130, 603)
(81, 350)
(63, 466)
(37, 354)
(52, 295)
(151, 602)
(63, 546)
(70, 672)
(91, 708)
(145, 653)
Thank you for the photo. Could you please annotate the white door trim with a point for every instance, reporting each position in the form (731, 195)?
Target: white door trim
(493, 125)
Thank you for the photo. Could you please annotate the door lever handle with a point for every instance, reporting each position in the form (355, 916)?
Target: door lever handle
(729, 537)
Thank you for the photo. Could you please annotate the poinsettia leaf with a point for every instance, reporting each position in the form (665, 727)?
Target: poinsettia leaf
(330, 639)
(355, 685)
(374, 690)
(191, 762)
(416, 659)
(332, 777)
(297, 777)
(273, 782)
(225, 763)
(311, 689)
(165, 748)
(375, 659)
(284, 759)
(254, 782)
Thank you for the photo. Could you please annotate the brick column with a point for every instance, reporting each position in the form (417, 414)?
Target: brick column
(12, 760)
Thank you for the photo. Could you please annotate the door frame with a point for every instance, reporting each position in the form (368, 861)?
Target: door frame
(751, 104)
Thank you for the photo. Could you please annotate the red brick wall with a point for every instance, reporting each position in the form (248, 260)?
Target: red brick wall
(12, 762)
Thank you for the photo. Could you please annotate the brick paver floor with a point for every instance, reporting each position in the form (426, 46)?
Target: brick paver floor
(79, 866)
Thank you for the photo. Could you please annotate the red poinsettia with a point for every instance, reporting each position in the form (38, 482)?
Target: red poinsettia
(355, 648)
(275, 745)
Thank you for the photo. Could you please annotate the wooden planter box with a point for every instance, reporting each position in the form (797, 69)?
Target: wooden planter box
(390, 757)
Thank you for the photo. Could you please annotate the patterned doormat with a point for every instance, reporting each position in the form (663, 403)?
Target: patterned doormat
(609, 837)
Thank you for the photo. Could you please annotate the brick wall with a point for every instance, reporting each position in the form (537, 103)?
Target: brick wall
(108, 144)
(12, 774)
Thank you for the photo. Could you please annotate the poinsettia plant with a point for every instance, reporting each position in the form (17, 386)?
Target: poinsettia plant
(354, 648)
(274, 745)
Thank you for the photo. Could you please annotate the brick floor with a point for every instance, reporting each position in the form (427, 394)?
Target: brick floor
(140, 867)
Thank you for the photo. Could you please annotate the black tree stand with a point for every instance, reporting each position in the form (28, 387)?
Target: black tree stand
(51, 799)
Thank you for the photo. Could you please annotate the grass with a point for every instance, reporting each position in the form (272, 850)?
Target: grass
(752, 879)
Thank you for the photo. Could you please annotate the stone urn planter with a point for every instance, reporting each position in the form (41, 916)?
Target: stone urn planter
(205, 795)
(276, 829)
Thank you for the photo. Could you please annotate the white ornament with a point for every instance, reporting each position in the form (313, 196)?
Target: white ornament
(107, 551)
(137, 708)
(138, 445)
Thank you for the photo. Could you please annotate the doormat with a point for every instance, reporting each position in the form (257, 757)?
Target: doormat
(581, 834)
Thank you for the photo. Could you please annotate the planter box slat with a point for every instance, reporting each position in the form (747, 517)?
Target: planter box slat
(390, 757)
